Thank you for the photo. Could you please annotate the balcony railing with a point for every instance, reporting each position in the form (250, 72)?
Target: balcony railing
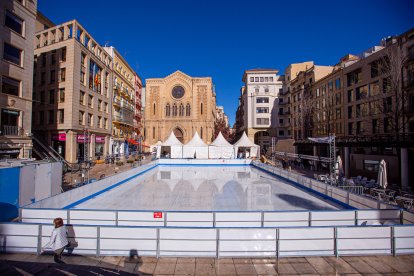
(11, 131)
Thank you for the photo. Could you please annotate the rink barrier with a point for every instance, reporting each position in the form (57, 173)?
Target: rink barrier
(206, 219)
(337, 194)
(214, 242)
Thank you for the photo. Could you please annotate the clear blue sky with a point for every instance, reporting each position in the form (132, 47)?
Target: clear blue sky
(223, 38)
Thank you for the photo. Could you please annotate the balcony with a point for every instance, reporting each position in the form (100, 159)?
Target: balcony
(116, 101)
(11, 131)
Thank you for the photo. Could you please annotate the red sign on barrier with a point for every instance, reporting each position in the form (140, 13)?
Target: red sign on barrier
(157, 214)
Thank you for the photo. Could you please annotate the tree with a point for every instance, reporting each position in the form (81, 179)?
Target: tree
(395, 105)
(221, 125)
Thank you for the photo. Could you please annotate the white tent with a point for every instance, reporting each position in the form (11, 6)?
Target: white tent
(174, 145)
(196, 148)
(245, 142)
(156, 148)
(220, 148)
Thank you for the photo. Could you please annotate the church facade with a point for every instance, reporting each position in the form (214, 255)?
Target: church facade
(181, 104)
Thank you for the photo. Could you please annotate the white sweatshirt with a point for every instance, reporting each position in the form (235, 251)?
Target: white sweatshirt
(58, 239)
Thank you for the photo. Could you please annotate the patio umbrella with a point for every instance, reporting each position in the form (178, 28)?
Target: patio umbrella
(339, 168)
(382, 174)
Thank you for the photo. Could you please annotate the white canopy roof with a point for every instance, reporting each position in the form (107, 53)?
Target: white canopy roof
(196, 142)
(244, 142)
(172, 141)
(220, 141)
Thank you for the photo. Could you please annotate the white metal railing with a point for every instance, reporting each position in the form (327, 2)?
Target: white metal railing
(352, 197)
(214, 242)
(217, 219)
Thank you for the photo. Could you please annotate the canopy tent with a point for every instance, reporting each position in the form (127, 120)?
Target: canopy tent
(220, 148)
(156, 149)
(245, 143)
(173, 147)
(196, 148)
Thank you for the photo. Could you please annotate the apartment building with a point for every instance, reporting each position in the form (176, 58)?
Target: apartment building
(258, 112)
(16, 76)
(367, 101)
(124, 104)
(220, 115)
(138, 109)
(72, 92)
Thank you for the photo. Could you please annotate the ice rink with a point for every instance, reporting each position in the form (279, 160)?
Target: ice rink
(207, 188)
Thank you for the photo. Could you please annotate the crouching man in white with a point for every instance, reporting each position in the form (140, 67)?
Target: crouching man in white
(58, 240)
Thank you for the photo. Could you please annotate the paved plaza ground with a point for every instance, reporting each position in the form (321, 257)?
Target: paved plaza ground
(29, 264)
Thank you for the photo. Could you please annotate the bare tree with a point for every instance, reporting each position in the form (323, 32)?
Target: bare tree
(396, 110)
(307, 107)
(220, 125)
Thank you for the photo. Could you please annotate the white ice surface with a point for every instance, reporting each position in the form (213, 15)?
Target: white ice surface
(207, 188)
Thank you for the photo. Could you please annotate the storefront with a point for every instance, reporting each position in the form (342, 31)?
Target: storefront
(80, 140)
(59, 143)
(99, 146)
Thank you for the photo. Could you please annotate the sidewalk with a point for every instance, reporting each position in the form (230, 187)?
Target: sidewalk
(29, 264)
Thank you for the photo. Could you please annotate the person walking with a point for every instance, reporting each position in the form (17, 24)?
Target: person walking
(58, 240)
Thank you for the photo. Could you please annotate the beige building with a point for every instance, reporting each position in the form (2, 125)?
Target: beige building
(16, 75)
(181, 104)
(72, 92)
(123, 104)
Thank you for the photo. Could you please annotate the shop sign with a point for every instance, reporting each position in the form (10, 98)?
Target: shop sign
(99, 139)
(59, 137)
(80, 138)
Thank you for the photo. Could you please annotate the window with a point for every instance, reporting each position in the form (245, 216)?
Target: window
(338, 83)
(386, 85)
(43, 59)
(81, 117)
(387, 104)
(256, 79)
(62, 74)
(361, 92)
(261, 79)
(266, 90)
(350, 128)
(42, 97)
(51, 96)
(106, 107)
(90, 119)
(99, 122)
(201, 132)
(52, 76)
(350, 96)
(61, 116)
(99, 105)
(375, 126)
(174, 110)
(167, 110)
(106, 123)
(271, 79)
(181, 110)
(153, 109)
(83, 59)
(262, 100)
(12, 54)
(338, 113)
(188, 110)
(374, 69)
(251, 79)
(51, 115)
(90, 101)
(42, 78)
(281, 121)
(262, 121)
(53, 59)
(266, 79)
(262, 110)
(14, 22)
(62, 95)
(63, 54)
(350, 115)
(153, 132)
(10, 86)
(360, 127)
(281, 133)
(82, 98)
(256, 90)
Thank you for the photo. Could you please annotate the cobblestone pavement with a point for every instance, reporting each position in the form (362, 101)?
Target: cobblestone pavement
(29, 264)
